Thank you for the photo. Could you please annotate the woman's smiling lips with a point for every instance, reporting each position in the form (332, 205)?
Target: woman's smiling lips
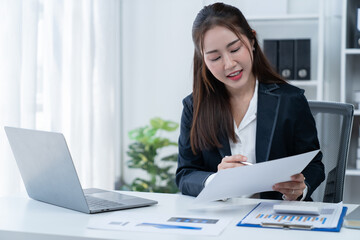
(235, 75)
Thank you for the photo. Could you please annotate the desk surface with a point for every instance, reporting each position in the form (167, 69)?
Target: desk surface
(24, 218)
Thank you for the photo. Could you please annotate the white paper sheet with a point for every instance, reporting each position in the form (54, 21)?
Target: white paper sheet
(193, 225)
(260, 177)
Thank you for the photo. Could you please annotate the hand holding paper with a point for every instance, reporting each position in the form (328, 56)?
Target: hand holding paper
(235, 182)
(293, 189)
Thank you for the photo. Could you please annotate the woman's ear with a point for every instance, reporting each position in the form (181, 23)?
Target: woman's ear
(253, 40)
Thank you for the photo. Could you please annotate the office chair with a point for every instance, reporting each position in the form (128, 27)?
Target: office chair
(334, 124)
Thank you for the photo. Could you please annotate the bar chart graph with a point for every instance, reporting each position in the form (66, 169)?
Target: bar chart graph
(293, 219)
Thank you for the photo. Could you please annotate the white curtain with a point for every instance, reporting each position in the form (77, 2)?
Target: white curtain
(17, 80)
(60, 71)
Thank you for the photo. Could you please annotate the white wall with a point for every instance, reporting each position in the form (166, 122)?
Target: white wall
(158, 50)
(157, 62)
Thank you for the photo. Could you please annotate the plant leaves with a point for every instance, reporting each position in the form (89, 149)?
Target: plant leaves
(159, 123)
(143, 153)
(171, 158)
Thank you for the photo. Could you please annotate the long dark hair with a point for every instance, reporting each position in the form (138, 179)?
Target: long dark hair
(212, 117)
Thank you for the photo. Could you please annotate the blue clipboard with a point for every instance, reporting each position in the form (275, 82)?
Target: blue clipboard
(296, 227)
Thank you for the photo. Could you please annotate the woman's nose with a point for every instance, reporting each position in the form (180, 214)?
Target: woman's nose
(229, 62)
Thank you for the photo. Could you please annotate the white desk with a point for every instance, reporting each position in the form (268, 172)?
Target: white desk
(24, 218)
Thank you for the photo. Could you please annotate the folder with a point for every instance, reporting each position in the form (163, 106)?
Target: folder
(357, 29)
(258, 218)
(302, 61)
(286, 59)
(271, 52)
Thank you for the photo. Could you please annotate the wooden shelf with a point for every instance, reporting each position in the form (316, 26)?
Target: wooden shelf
(352, 172)
(313, 83)
(352, 51)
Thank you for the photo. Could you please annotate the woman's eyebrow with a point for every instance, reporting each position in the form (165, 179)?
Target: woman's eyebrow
(229, 45)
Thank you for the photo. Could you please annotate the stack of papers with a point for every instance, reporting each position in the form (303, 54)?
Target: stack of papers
(352, 220)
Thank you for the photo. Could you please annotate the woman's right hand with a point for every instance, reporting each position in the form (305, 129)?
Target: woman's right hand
(232, 161)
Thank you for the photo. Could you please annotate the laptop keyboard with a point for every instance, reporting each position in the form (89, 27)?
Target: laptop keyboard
(99, 203)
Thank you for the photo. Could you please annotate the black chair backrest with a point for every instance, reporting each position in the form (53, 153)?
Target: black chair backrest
(334, 124)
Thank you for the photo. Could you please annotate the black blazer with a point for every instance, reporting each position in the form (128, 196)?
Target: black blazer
(285, 127)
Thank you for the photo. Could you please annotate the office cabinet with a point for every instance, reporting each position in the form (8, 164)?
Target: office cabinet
(292, 22)
(350, 92)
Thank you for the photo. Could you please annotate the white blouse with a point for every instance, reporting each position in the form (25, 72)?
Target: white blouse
(246, 132)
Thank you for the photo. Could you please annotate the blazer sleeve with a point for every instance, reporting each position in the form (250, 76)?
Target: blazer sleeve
(306, 139)
(191, 172)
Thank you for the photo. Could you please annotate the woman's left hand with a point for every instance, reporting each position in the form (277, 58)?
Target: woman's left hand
(293, 189)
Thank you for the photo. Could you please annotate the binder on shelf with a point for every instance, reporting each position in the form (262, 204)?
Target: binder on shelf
(271, 52)
(286, 59)
(357, 29)
(302, 50)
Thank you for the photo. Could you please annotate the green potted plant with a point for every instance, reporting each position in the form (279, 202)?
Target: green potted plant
(144, 154)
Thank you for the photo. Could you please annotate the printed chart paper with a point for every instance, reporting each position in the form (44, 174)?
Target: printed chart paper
(264, 213)
(260, 177)
(193, 225)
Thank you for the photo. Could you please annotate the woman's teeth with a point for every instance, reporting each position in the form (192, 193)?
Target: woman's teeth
(234, 74)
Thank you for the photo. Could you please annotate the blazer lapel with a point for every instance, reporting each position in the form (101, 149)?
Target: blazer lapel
(267, 112)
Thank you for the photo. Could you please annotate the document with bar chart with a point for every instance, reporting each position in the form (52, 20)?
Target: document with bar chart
(263, 215)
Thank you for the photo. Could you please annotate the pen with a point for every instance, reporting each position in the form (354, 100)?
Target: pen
(168, 226)
(245, 163)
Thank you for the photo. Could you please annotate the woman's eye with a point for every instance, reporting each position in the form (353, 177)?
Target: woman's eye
(235, 50)
(215, 59)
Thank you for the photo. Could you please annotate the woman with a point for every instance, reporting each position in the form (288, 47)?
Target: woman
(241, 110)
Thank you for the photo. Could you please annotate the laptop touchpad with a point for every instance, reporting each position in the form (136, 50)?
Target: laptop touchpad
(112, 196)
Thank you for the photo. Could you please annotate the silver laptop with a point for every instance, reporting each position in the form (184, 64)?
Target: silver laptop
(49, 174)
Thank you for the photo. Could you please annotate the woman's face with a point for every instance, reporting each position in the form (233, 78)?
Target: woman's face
(228, 59)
